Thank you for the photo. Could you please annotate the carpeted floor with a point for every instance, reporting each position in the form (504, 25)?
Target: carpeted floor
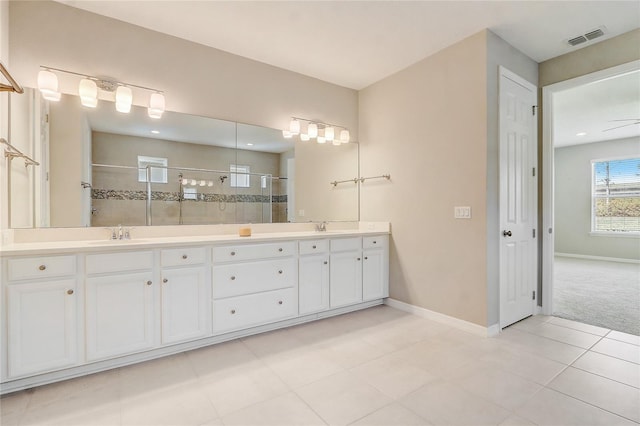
(605, 294)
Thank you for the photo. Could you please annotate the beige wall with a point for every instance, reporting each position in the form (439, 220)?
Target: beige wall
(573, 200)
(196, 79)
(427, 127)
(434, 128)
(4, 107)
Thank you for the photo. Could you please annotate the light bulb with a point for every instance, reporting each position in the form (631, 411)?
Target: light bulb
(312, 130)
(304, 137)
(194, 182)
(286, 134)
(203, 183)
(329, 133)
(124, 97)
(294, 126)
(344, 136)
(88, 91)
(321, 139)
(156, 105)
(210, 183)
(48, 85)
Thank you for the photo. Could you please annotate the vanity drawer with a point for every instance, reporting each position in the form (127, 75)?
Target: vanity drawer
(40, 267)
(254, 309)
(183, 256)
(378, 241)
(252, 277)
(346, 244)
(253, 251)
(119, 262)
(313, 246)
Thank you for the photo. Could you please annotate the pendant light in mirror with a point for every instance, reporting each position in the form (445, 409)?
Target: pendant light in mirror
(312, 130)
(88, 91)
(124, 99)
(329, 133)
(294, 126)
(344, 136)
(156, 105)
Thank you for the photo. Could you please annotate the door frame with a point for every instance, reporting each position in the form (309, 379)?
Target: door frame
(507, 73)
(548, 164)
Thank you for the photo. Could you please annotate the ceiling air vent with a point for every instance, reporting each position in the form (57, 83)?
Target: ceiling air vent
(598, 32)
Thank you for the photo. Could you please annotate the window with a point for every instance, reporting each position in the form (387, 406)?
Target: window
(240, 177)
(158, 168)
(616, 195)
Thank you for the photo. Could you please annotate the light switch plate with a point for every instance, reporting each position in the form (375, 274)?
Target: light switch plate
(462, 212)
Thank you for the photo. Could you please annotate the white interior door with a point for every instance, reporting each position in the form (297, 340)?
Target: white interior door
(518, 198)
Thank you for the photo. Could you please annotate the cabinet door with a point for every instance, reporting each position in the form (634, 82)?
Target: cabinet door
(186, 312)
(41, 326)
(119, 314)
(313, 282)
(346, 278)
(375, 277)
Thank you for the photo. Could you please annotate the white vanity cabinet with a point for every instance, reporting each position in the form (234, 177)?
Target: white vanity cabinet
(41, 303)
(119, 308)
(375, 267)
(313, 276)
(346, 271)
(254, 284)
(185, 295)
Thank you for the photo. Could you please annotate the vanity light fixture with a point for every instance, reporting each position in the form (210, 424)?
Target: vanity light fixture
(88, 91)
(322, 132)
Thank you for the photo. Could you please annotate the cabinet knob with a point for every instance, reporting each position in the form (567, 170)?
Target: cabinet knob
(164, 280)
(314, 247)
(233, 277)
(279, 302)
(326, 263)
(280, 271)
(365, 258)
(69, 291)
(184, 256)
(358, 259)
(280, 249)
(233, 253)
(233, 311)
(149, 282)
(375, 242)
(42, 267)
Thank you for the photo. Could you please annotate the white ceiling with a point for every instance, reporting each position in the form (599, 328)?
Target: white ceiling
(356, 43)
(594, 109)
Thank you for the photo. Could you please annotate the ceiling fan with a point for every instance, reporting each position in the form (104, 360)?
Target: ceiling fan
(634, 120)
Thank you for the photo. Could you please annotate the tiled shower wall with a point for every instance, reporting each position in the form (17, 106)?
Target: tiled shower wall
(118, 197)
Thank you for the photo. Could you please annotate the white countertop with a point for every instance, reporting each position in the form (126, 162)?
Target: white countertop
(59, 247)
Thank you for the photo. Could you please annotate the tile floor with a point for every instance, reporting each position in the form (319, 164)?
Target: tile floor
(380, 366)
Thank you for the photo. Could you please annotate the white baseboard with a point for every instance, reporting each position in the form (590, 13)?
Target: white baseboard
(467, 326)
(607, 259)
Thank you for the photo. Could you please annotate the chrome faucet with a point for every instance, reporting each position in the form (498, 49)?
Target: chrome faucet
(321, 226)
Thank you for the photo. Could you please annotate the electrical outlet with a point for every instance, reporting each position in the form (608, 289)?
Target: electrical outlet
(462, 212)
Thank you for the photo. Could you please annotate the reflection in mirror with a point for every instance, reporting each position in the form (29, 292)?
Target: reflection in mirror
(201, 170)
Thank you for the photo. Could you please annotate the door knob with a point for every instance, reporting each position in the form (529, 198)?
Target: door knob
(506, 233)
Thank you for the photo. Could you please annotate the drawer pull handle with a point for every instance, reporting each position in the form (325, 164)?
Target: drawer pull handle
(233, 277)
(279, 302)
(69, 291)
(280, 271)
(325, 262)
(42, 267)
(233, 311)
(165, 280)
(233, 253)
(314, 247)
(280, 249)
(149, 282)
(184, 256)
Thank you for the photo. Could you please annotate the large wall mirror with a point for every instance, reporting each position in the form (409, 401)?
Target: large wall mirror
(99, 167)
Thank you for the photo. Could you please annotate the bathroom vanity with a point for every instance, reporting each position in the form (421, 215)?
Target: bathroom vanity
(70, 308)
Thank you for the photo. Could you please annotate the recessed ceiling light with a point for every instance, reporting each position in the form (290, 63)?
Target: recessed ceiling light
(581, 134)
(155, 132)
(249, 144)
